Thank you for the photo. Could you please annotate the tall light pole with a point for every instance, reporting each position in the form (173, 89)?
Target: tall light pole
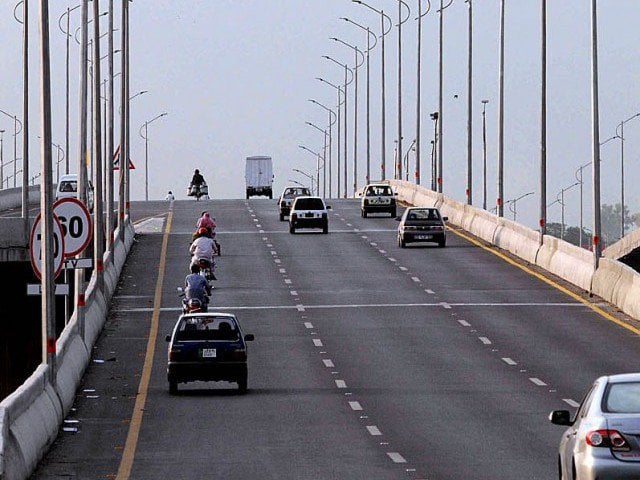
(332, 120)
(383, 128)
(25, 108)
(440, 176)
(401, 3)
(621, 136)
(484, 154)
(513, 203)
(543, 128)
(338, 109)
(346, 111)
(418, 88)
(15, 143)
(67, 13)
(356, 67)
(324, 159)
(145, 125)
(470, 108)
(369, 48)
(1, 158)
(318, 158)
(500, 206)
(310, 177)
(595, 135)
(434, 152)
(560, 200)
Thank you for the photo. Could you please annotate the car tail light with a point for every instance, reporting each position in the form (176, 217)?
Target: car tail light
(239, 354)
(174, 354)
(293, 216)
(608, 439)
(366, 202)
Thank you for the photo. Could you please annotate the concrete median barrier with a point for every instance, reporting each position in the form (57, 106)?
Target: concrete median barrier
(517, 239)
(619, 284)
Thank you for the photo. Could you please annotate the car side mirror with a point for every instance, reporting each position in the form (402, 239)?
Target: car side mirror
(180, 290)
(444, 219)
(168, 338)
(560, 417)
(328, 207)
(398, 219)
(395, 194)
(249, 337)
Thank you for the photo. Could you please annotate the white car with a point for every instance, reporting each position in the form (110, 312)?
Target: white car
(68, 187)
(376, 198)
(309, 212)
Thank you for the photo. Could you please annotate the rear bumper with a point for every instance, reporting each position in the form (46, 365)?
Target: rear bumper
(309, 222)
(378, 208)
(413, 237)
(192, 371)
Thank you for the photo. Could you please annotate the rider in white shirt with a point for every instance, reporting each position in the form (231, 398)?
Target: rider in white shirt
(203, 248)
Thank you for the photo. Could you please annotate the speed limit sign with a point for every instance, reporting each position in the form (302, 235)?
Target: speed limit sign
(35, 246)
(76, 224)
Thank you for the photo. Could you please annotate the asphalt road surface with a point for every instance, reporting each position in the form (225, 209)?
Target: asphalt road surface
(370, 361)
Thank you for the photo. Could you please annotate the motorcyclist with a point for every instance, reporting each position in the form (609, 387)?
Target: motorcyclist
(203, 248)
(206, 221)
(196, 286)
(197, 180)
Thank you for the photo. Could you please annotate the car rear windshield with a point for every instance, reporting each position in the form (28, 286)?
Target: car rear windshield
(295, 192)
(424, 214)
(309, 204)
(379, 190)
(622, 398)
(68, 186)
(207, 328)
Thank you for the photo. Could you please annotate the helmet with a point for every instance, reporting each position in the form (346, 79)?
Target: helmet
(197, 171)
(195, 268)
(202, 231)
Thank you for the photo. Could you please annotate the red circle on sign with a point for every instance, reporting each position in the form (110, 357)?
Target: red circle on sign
(73, 210)
(58, 259)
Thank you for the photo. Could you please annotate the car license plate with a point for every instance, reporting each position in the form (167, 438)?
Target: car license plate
(208, 353)
(379, 201)
(308, 215)
(423, 237)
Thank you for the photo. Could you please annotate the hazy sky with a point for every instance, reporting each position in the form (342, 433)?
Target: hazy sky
(235, 77)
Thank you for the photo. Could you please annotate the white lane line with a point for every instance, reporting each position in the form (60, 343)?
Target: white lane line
(287, 281)
(373, 244)
(273, 252)
(404, 269)
(571, 402)
(485, 340)
(277, 260)
(341, 384)
(464, 323)
(415, 279)
(300, 308)
(391, 259)
(355, 406)
(261, 231)
(537, 381)
(269, 245)
(349, 225)
(255, 219)
(328, 363)
(508, 361)
(446, 305)
(265, 239)
(282, 270)
(356, 230)
(293, 293)
(258, 225)
(429, 291)
(382, 251)
(396, 457)
(308, 325)
(317, 342)
(373, 430)
(364, 237)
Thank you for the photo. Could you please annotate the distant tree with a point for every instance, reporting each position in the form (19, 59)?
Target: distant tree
(610, 222)
(571, 234)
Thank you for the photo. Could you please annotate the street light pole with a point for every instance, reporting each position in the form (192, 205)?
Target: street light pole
(338, 108)
(543, 128)
(484, 154)
(332, 117)
(401, 3)
(595, 136)
(324, 158)
(512, 203)
(145, 125)
(470, 108)
(500, 210)
(621, 136)
(440, 175)
(318, 157)
(418, 88)
(25, 111)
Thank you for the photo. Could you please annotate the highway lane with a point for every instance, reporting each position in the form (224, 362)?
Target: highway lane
(370, 361)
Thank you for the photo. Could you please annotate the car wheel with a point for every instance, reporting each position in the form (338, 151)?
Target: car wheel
(325, 227)
(282, 217)
(393, 213)
(242, 382)
(401, 242)
(442, 243)
(292, 229)
(364, 214)
(173, 387)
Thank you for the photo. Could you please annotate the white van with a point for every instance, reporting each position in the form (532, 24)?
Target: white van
(68, 187)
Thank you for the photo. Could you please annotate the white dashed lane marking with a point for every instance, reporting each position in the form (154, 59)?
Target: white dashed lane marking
(328, 363)
(293, 293)
(287, 281)
(415, 279)
(396, 457)
(485, 340)
(355, 406)
(509, 361)
(571, 402)
(429, 291)
(537, 381)
(317, 342)
(341, 384)
(464, 323)
(308, 325)
(282, 270)
(373, 430)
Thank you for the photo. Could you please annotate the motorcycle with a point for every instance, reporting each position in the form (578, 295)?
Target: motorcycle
(193, 305)
(198, 191)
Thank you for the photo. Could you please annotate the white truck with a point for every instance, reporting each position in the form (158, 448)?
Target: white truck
(259, 176)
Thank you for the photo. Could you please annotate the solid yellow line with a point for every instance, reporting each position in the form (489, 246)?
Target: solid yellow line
(128, 455)
(548, 281)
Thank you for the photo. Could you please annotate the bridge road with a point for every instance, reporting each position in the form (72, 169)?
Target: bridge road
(370, 361)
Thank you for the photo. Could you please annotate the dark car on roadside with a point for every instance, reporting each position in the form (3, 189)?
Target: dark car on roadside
(207, 347)
(422, 224)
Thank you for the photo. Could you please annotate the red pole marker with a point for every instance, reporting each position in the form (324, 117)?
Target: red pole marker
(51, 345)
(81, 300)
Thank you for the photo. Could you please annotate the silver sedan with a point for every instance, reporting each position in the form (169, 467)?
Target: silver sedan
(603, 439)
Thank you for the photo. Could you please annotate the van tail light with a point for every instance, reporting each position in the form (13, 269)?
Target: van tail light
(608, 439)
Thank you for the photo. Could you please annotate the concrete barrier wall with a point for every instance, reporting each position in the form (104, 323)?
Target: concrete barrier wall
(12, 197)
(619, 284)
(30, 416)
(517, 239)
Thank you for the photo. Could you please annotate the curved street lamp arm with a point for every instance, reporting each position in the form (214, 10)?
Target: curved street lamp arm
(14, 118)
(342, 65)
(62, 16)
(428, 9)
(331, 112)
(15, 9)
(366, 29)
(408, 11)
(620, 125)
(356, 49)
(446, 6)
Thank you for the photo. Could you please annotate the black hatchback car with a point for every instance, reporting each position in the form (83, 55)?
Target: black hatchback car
(207, 347)
(422, 224)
